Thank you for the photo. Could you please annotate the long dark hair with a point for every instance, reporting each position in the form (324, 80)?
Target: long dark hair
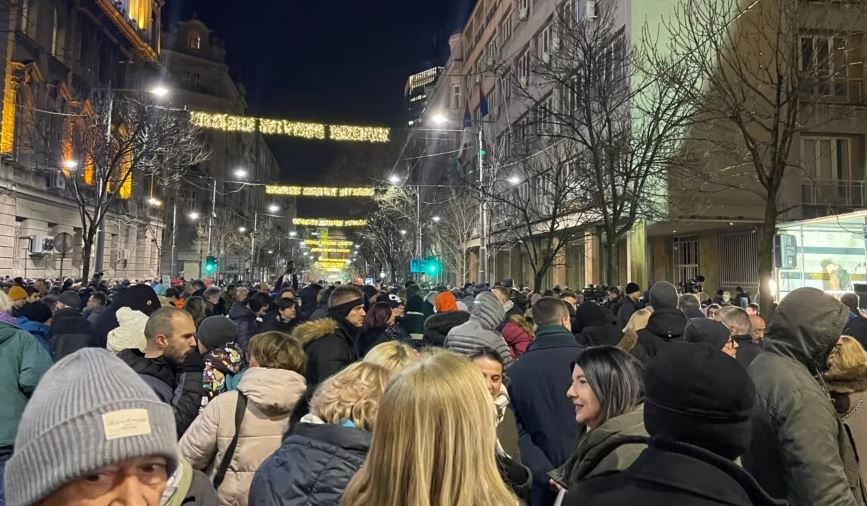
(377, 316)
(615, 377)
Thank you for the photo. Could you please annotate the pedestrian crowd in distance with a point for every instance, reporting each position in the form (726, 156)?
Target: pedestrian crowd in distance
(289, 393)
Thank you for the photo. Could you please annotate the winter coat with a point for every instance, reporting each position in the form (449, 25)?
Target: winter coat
(856, 326)
(138, 298)
(613, 446)
(748, 350)
(670, 473)
(38, 330)
(271, 396)
(665, 325)
(93, 315)
(624, 313)
(517, 338)
(507, 427)
(330, 347)
(70, 332)
(312, 467)
(480, 330)
(220, 364)
(247, 326)
(129, 332)
(370, 338)
(273, 323)
(309, 296)
(413, 323)
(599, 335)
(547, 429)
(799, 449)
(438, 326)
(189, 487)
(164, 380)
(849, 391)
(23, 361)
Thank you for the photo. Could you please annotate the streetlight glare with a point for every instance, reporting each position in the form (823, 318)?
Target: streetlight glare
(273, 208)
(439, 119)
(240, 173)
(436, 219)
(159, 91)
(70, 164)
(293, 233)
(514, 180)
(270, 252)
(193, 215)
(242, 229)
(155, 202)
(394, 179)
(403, 232)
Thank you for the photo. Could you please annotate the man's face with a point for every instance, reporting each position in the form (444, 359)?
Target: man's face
(288, 313)
(572, 301)
(181, 341)
(93, 303)
(501, 296)
(241, 294)
(139, 481)
(214, 299)
(34, 297)
(356, 316)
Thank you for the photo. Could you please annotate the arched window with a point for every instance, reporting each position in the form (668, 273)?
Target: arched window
(194, 40)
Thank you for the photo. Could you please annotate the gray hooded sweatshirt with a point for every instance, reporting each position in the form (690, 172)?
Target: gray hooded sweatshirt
(480, 331)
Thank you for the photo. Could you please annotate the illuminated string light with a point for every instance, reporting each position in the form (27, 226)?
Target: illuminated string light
(327, 222)
(331, 250)
(318, 131)
(328, 242)
(317, 191)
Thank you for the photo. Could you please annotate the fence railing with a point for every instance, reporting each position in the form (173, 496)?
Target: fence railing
(834, 193)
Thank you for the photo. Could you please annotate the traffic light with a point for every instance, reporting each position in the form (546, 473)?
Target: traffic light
(210, 265)
(432, 266)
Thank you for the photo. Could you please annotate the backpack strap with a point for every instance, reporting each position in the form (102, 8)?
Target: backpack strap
(240, 409)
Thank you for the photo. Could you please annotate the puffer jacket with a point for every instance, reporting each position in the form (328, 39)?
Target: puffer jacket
(271, 396)
(40, 331)
(665, 325)
(480, 331)
(23, 361)
(849, 391)
(613, 446)
(129, 332)
(330, 346)
(220, 363)
(438, 325)
(799, 449)
(312, 467)
(70, 332)
(517, 338)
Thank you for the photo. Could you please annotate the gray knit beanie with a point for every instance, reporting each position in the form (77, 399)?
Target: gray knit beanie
(90, 410)
(663, 295)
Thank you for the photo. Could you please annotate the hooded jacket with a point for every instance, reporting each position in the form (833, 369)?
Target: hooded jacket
(40, 331)
(271, 396)
(309, 296)
(23, 361)
(597, 326)
(70, 332)
(849, 391)
(164, 380)
(799, 448)
(138, 297)
(220, 363)
(247, 326)
(665, 325)
(330, 346)
(480, 331)
(129, 332)
(312, 467)
(438, 325)
(610, 447)
(516, 337)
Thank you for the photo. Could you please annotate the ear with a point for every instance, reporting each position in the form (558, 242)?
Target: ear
(162, 341)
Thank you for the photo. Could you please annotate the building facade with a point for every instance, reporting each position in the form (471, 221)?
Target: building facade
(55, 56)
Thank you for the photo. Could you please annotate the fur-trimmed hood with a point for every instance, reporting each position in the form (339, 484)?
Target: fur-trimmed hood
(848, 381)
(308, 332)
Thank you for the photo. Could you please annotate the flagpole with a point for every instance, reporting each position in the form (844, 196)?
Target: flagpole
(483, 214)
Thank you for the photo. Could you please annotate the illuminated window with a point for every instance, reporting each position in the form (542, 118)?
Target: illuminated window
(194, 40)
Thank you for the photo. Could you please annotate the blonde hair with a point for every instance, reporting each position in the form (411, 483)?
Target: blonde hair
(523, 323)
(393, 355)
(276, 350)
(636, 322)
(352, 394)
(847, 355)
(437, 444)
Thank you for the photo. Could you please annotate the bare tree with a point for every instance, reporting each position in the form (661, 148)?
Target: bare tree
(383, 244)
(771, 71)
(116, 144)
(459, 214)
(588, 89)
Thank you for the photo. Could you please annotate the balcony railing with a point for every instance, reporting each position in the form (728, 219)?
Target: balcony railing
(834, 193)
(843, 90)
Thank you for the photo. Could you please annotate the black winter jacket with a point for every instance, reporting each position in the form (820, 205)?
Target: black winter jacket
(748, 350)
(857, 328)
(312, 467)
(668, 473)
(330, 346)
(665, 325)
(438, 325)
(247, 326)
(164, 380)
(70, 332)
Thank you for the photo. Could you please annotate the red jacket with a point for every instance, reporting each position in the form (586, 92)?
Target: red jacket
(517, 338)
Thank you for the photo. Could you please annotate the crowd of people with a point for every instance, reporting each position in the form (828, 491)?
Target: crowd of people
(338, 394)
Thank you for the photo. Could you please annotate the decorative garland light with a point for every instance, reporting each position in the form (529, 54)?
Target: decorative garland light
(319, 131)
(328, 242)
(331, 250)
(317, 191)
(327, 222)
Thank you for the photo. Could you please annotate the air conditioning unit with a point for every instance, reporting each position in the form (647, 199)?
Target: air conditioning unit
(523, 12)
(40, 245)
(592, 10)
(56, 181)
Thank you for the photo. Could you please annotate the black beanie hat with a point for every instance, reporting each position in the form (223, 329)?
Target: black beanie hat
(36, 312)
(703, 330)
(631, 288)
(699, 395)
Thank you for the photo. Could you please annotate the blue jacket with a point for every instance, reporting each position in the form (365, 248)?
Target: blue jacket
(547, 430)
(40, 331)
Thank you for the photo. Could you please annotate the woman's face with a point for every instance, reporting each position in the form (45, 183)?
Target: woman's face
(139, 481)
(288, 313)
(493, 373)
(587, 408)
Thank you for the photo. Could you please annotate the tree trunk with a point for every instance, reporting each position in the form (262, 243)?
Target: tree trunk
(766, 257)
(86, 250)
(537, 281)
(610, 253)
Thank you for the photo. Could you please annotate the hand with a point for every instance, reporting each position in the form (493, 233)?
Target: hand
(193, 362)
(555, 486)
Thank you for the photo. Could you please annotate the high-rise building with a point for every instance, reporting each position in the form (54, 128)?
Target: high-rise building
(417, 88)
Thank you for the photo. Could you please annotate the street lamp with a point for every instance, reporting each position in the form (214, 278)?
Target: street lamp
(514, 180)
(270, 252)
(293, 233)
(439, 119)
(70, 164)
(394, 179)
(240, 173)
(436, 219)
(155, 202)
(273, 208)
(193, 215)
(242, 229)
(403, 232)
(382, 275)
(159, 91)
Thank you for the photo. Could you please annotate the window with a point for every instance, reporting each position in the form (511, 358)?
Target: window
(524, 67)
(491, 52)
(544, 43)
(569, 96)
(685, 255)
(613, 61)
(455, 102)
(827, 158)
(524, 8)
(194, 40)
(507, 84)
(506, 29)
(823, 63)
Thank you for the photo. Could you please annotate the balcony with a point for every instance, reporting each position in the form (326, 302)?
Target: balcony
(834, 193)
(834, 90)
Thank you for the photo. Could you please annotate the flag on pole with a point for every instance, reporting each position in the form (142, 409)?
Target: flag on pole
(483, 102)
(466, 134)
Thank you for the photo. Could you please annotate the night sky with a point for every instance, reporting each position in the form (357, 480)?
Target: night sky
(337, 61)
